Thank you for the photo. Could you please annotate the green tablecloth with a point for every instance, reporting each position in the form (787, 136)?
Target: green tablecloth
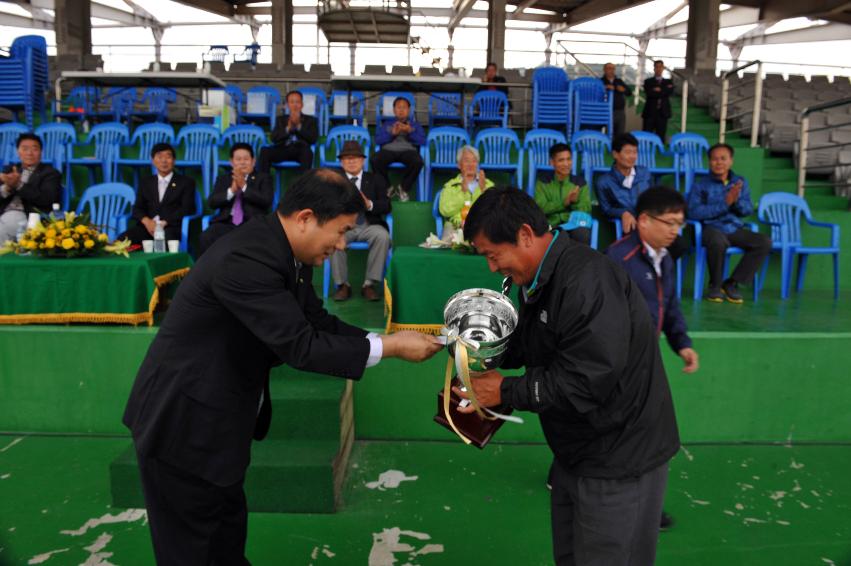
(106, 289)
(420, 281)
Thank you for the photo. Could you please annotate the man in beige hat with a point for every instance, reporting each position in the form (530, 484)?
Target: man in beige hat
(370, 227)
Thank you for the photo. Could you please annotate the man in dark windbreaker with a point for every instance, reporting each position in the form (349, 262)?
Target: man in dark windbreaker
(594, 375)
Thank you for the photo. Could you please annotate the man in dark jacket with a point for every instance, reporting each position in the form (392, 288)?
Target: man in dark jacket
(292, 137)
(238, 196)
(370, 227)
(657, 109)
(491, 79)
(594, 375)
(28, 186)
(166, 197)
(620, 91)
(202, 391)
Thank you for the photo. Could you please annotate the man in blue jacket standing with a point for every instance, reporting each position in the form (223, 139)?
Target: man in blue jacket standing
(400, 142)
(719, 201)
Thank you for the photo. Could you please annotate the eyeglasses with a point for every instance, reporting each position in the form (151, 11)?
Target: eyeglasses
(670, 223)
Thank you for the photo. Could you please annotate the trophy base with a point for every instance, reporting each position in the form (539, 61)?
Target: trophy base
(479, 431)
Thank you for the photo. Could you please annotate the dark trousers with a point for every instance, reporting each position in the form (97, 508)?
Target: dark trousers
(276, 153)
(757, 247)
(192, 521)
(606, 522)
(618, 122)
(411, 159)
(215, 231)
(138, 233)
(656, 124)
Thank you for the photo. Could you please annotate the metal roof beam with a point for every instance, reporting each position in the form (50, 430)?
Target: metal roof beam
(736, 16)
(460, 9)
(826, 32)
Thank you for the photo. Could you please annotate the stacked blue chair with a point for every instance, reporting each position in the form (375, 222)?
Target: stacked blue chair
(145, 137)
(326, 268)
(107, 139)
(488, 107)
(689, 152)
(783, 212)
(79, 104)
(444, 108)
(199, 142)
(440, 153)
(57, 139)
(156, 101)
(590, 104)
(315, 104)
(590, 149)
(381, 116)
(649, 147)
(23, 77)
(550, 98)
(536, 146)
(500, 150)
(241, 133)
(345, 107)
(270, 98)
(335, 140)
(9, 141)
(109, 206)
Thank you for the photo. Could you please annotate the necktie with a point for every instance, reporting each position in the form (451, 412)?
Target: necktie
(237, 214)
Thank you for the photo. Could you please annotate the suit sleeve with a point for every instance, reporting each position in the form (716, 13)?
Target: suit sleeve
(627, 91)
(261, 192)
(187, 202)
(140, 206)
(316, 314)
(257, 296)
(219, 196)
(309, 132)
(279, 133)
(380, 201)
(42, 194)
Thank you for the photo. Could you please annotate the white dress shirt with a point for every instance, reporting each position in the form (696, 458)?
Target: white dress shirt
(656, 257)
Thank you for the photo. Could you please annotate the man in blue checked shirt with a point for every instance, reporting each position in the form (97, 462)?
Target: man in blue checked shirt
(719, 201)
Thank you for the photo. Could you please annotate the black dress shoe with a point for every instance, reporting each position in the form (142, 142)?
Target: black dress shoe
(666, 522)
(344, 291)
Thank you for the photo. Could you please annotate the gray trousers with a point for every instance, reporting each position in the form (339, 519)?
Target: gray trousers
(606, 522)
(379, 244)
(9, 221)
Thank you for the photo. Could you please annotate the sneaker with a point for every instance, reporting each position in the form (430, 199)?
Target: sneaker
(665, 522)
(391, 191)
(714, 295)
(403, 195)
(731, 291)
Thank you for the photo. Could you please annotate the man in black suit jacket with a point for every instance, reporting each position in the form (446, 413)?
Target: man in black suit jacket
(28, 186)
(292, 137)
(202, 392)
(238, 196)
(166, 197)
(370, 226)
(657, 109)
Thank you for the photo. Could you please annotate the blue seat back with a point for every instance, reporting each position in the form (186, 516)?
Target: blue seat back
(381, 116)
(550, 97)
(9, 140)
(444, 106)
(589, 152)
(649, 145)
(689, 151)
(320, 102)
(536, 145)
(158, 100)
(498, 147)
(489, 106)
(273, 98)
(105, 203)
(198, 141)
(244, 133)
(107, 139)
(120, 101)
(147, 136)
(442, 145)
(337, 137)
(57, 140)
(549, 79)
(354, 111)
(84, 97)
(786, 210)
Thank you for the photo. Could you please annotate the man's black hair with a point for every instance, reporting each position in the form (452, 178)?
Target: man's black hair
(658, 62)
(300, 95)
(492, 64)
(29, 136)
(659, 200)
(158, 147)
(623, 139)
(500, 213)
(398, 98)
(558, 148)
(720, 146)
(324, 191)
(241, 145)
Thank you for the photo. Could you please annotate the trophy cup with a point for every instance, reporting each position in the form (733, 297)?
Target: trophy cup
(478, 324)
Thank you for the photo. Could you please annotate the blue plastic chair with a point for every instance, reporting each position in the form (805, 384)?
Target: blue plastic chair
(783, 212)
(145, 137)
(550, 98)
(590, 105)
(9, 134)
(326, 267)
(649, 147)
(338, 135)
(381, 117)
(500, 150)
(488, 107)
(184, 224)
(270, 113)
(241, 133)
(590, 149)
(352, 105)
(107, 139)
(440, 153)
(536, 146)
(700, 260)
(435, 213)
(320, 106)
(80, 97)
(57, 139)
(109, 206)
(119, 102)
(444, 108)
(200, 143)
(157, 100)
(689, 152)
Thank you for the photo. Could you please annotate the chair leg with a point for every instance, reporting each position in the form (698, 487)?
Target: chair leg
(785, 273)
(802, 271)
(680, 268)
(699, 267)
(326, 278)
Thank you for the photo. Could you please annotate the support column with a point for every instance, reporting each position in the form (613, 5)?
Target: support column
(351, 59)
(548, 52)
(450, 51)
(72, 22)
(158, 46)
(704, 17)
(496, 32)
(282, 37)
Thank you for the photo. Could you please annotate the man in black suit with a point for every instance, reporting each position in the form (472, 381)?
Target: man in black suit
(292, 137)
(29, 186)
(238, 196)
(370, 226)
(202, 392)
(657, 109)
(165, 197)
(619, 90)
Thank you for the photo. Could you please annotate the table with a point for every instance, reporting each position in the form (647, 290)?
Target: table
(407, 83)
(100, 290)
(420, 281)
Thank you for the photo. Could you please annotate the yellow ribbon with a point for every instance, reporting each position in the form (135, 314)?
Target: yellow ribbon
(461, 362)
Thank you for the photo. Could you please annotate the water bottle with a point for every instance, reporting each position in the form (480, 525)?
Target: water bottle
(159, 238)
(22, 229)
(56, 210)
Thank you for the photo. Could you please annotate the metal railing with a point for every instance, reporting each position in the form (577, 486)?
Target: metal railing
(757, 102)
(804, 138)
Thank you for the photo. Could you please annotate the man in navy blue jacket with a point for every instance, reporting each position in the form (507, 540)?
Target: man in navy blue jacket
(719, 201)
(400, 142)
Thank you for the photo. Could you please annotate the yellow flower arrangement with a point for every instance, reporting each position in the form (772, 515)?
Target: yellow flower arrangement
(66, 236)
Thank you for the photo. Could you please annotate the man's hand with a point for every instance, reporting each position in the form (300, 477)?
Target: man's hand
(572, 196)
(620, 88)
(691, 360)
(486, 386)
(733, 193)
(410, 346)
(397, 128)
(11, 179)
(628, 222)
(149, 224)
(657, 89)
(294, 121)
(237, 182)
(609, 87)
